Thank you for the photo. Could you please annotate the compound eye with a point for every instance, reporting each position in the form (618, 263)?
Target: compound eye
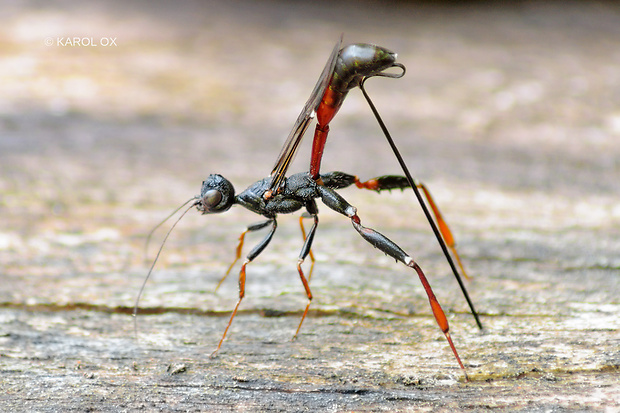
(211, 199)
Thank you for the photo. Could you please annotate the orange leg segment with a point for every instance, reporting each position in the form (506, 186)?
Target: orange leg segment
(308, 293)
(232, 316)
(443, 227)
(390, 182)
(253, 253)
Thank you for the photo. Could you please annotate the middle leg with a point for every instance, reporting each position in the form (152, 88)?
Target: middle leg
(303, 234)
(312, 212)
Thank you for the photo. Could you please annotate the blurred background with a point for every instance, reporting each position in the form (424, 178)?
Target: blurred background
(508, 112)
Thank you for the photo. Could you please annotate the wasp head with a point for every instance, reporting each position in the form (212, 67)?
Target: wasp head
(216, 195)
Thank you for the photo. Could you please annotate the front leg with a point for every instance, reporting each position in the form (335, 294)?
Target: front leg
(253, 254)
(250, 228)
(389, 247)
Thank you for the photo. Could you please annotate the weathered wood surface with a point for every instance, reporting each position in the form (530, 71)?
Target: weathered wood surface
(509, 114)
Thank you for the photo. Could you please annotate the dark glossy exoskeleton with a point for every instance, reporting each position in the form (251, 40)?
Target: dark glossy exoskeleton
(301, 191)
(355, 62)
(276, 194)
(345, 70)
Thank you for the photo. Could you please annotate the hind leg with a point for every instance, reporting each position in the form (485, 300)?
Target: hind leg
(389, 247)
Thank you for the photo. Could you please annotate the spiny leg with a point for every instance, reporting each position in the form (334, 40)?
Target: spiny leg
(251, 228)
(383, 243)
(253, 254)
(390, 182)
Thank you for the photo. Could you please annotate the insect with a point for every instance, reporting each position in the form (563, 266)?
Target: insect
(346, 69)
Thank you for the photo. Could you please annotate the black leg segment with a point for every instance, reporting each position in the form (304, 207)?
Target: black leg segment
(389, 247)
